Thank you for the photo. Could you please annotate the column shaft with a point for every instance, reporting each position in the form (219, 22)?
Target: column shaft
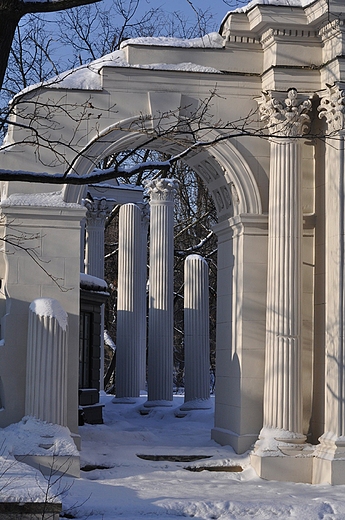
(160, 335)
(196, 332)
(129, 303)
(46, 375)
(142, 295)
(282, 396)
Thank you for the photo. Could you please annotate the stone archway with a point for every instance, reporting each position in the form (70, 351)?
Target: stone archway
(242, 249)
(242, 232)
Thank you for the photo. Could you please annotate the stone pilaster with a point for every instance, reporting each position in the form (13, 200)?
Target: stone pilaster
(286, 121)
(196, 334)
(129, 302)
(160, 333)
(328, 464)
(97, 211)
(46, 369)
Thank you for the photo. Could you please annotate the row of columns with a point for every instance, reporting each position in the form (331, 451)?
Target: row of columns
(131, 307)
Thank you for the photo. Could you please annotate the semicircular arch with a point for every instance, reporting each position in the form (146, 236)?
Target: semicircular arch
(223, 169)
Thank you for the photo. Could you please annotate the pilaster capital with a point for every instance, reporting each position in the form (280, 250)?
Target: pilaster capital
(161, 189)
(285, 118)
(97, 211)
(332, 108)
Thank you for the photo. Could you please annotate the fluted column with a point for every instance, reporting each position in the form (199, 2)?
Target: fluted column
(160, 333)
(196, 334)
(129, 302)
(145, 218)
(94, 249)
(286, 121)
(330, 454)
(46, 373)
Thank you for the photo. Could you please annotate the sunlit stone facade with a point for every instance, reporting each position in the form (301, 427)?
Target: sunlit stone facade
(278, 76)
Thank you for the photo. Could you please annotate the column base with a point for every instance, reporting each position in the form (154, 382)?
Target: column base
(329, 461)
(159, 402)
(288, 468)
(240, 443)
(197, 404)
(283, 455)
(124, 400)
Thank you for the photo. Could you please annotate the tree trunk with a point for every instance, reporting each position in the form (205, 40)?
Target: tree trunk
(9, 19)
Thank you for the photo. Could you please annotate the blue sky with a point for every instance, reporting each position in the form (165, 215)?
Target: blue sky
(218, 7)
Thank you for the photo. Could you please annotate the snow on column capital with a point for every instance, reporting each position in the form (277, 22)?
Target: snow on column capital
(161, 190)
(46, 372)
(286, 120)
(161, 287)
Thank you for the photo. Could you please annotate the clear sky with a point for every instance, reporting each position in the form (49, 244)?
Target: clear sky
(218, 8)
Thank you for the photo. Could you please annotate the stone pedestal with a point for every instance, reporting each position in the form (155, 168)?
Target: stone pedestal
(46, 374)
(160, 333)
(129, 303)
(196, 334)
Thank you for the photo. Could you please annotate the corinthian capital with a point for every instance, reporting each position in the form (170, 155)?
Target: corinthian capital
(286, 118)
(332, 108)
(162, 189)
(97, 210)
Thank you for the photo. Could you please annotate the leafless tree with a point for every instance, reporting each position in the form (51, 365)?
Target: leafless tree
(12, 11)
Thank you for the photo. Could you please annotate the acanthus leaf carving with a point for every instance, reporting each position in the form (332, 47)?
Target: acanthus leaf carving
(332, 108)
(288, 118)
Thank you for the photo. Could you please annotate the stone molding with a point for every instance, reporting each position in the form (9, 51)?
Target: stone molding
(331, 29)
(235, 38)
(332, 108)
(286, 118)
(272, 34)
(244, 224)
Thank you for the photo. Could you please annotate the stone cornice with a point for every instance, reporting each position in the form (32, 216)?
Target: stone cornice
(272, 35)
(237, 38)
(332, 29)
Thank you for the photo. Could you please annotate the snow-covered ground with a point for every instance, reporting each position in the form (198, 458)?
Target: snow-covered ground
(129, 487)
(135, 488)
